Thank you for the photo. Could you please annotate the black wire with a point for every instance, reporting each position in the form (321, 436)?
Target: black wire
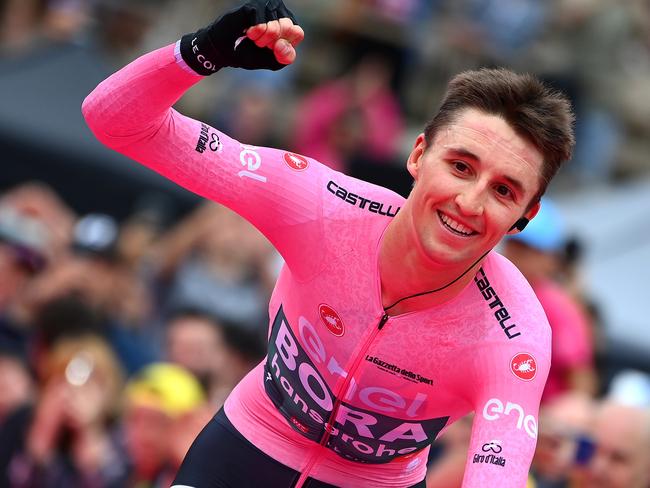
(442, 287)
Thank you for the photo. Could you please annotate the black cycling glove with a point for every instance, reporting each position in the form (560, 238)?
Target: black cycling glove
(223, 42)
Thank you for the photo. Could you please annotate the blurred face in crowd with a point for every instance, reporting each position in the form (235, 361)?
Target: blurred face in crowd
(147, 435)
(196, 343)
(472, 183)
(533, 263)
(621, 459)
(16, 385)
(14, 276)
(231, 238)
(562, 420)
(82, 377)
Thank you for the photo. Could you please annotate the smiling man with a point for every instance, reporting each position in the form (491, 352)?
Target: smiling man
(391, 318)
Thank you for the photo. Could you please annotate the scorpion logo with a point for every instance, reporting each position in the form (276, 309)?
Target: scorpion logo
(331, 320)
(524, 366)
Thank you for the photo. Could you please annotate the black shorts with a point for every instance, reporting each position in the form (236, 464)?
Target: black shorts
(220, 457)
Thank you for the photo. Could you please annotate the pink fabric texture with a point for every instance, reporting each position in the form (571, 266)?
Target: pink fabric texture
(341, 397)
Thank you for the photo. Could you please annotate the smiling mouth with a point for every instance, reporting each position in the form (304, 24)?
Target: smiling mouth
(455, 227)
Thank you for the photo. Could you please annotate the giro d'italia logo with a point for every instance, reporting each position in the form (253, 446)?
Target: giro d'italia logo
(523, 366)
(296, 161)
(331, 319)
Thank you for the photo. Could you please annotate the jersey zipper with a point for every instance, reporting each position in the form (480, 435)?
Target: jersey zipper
(339, 398)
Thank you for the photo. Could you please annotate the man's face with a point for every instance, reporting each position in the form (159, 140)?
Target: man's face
(472, 183)
(621, 458)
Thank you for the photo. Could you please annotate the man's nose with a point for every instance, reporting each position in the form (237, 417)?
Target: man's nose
(470, 200)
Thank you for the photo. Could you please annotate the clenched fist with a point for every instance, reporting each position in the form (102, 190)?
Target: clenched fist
(261, 34)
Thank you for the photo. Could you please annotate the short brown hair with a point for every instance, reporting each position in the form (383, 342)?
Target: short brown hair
(536, 112)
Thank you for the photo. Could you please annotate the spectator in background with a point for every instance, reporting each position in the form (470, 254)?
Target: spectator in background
(93, 277)
(354, 116)
(165, 409)
(35, 232)
(562, 443)
(69, 441)
(537, 252)
(16, 384)
(37, 201)
(592, 50)
(219, 354)
(621, 436)
(20, 23)
(141, 230)
(16, 403)
(253, 110)
(23, 251)
(573, 280)
(121, 294)
(495, 32)
(448, 466)
(215, 261)
(25, 24)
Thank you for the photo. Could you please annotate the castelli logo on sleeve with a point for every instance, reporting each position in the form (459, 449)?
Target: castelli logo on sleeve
(331, 320)
(523, 366)
(296, 161)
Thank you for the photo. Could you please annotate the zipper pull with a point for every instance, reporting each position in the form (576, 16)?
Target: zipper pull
(383, 320)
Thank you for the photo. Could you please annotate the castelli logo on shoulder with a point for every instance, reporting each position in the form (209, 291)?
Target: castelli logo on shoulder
(524, 366)
(296, 161)
(331, 319)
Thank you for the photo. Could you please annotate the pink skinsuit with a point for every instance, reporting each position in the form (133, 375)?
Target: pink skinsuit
(386, 385)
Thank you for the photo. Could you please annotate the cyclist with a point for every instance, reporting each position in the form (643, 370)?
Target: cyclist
(392, 318)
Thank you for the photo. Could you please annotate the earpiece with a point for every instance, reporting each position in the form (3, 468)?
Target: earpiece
(520, 224)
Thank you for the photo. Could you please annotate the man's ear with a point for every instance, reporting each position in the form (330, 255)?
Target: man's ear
(414, 160)
(529, 215)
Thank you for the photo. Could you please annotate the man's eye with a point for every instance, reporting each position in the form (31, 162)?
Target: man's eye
(503, 190)
(461, 167)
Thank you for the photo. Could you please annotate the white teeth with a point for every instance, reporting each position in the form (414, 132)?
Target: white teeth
(457, 226)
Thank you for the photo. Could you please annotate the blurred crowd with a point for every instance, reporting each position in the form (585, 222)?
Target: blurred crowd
(370, 72)
(119, 339)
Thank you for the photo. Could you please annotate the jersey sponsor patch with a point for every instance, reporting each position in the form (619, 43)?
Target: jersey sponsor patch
(361, 202)
(298, 424)
(296, 161)
(492, 446)
(331, 320)
(490, 454)
(370, 424)
(208, 138)
(500, 311)
(396, 370)
(512, 414)
(524, 366)
(251, 161)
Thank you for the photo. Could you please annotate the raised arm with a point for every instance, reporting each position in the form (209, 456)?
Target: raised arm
(131, 112)
(258, 35)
